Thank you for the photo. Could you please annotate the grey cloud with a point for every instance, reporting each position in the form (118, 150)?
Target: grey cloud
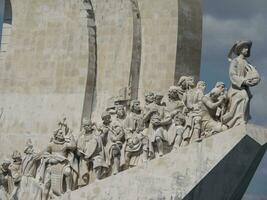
(219, 34)
(231, 9)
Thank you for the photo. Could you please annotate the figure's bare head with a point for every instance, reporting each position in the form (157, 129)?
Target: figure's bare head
(120, 111)
(201, 85)
(5, 164)
(179, 119)
(149, 97)
(173, 92)
(87, 125)
(220, 85)
(16, 156)
(135, 106)
(106, 117)
(215, 93)
(158, 98)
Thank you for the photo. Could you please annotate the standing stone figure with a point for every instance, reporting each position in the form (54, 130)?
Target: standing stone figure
(137, 144)
(242, 76)
(192, 100)
(159, 124)
(29, 188)
(15, 168)
(91, 152)
(55, 169)
(114, 141)
(176, 131)
(6, 183)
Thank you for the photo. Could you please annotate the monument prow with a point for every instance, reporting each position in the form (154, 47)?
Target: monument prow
(219, 167)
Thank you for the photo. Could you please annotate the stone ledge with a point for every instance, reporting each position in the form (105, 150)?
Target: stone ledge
(204, 168)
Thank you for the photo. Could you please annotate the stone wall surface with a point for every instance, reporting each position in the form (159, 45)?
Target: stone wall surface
(45, 69)
(219, 167)
(60, 50)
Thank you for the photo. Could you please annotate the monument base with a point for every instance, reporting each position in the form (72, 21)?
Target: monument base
(219, 167)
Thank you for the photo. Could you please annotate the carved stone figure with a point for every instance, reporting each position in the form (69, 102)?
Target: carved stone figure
(149, 109)
(120, 115)
(6, 182)
(181, 86)
(29, 188)
(114, 141)
(15, 168)
(192, 101)
(90, 149)
(56, 167)
(174, 104)
(243, 76)
(137, 144)
(159, 124)
(210, 121)
(176, 131)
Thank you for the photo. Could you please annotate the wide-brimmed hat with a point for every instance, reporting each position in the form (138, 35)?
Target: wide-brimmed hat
(237, 48)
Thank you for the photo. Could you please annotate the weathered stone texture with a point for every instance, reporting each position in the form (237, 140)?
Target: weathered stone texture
(44, 74)
(219, 167)
(45, 69)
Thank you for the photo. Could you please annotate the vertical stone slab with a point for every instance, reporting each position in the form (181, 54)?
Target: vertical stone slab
(114, 50)
(89, 96)
(45, 70)
(136, 51)
(159, 38)
(171, 42)
(189, 39)
(6, 27)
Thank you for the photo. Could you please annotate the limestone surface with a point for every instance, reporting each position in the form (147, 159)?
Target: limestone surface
(220, 167)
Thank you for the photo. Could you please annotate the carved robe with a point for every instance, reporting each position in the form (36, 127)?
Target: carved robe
(192, 100)
(93, 155)
(136, 141)
(239, 93)
(29, 188)
(6, 184)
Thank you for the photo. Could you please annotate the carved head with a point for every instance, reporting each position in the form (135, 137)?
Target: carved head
(173, 92)
(28, 147)
(158, 98)
(149, 97)
(155, 119)
(215, 93)
(190, 82)
(87, 125)
(135, 106)
(179, 119)
(220, 85)
(120, 111)
(16, 156)
(240, 47)
(59, 135)
(5, 164)
(106, 117)
(201, 85)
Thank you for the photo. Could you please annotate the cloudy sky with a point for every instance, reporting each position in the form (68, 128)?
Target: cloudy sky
(224, 22)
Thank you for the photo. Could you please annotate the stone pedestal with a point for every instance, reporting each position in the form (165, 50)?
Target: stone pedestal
(219, 167)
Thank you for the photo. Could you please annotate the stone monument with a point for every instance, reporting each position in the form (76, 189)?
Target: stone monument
(99, 100)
